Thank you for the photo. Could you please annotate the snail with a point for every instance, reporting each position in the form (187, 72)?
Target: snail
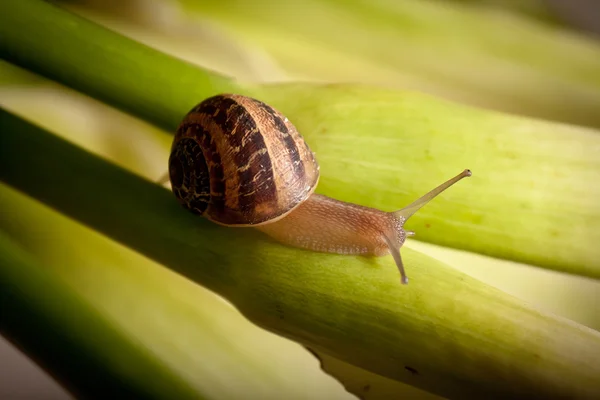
(240, 163)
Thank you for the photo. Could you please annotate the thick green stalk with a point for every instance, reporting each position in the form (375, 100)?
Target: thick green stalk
(533, 194)
(51, 322)
(465, 338)
(461, 52)
(98, 62)
(116, 323)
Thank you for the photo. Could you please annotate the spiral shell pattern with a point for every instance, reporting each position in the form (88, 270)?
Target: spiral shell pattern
(237, 161)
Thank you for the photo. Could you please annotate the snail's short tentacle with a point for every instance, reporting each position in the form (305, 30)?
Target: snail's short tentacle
(398, 259)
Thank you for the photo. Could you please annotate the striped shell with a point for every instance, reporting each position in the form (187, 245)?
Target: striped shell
(237, 161)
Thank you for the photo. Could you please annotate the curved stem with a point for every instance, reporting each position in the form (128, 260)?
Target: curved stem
(89, 58)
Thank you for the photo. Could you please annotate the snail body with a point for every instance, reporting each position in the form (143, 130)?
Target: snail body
(240, 163)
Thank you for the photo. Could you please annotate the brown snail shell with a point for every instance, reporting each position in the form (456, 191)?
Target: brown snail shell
(238, 161)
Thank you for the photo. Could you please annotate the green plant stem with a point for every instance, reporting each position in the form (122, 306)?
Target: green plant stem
(461, 52)
(125, 74)
(465, 338)
(50, 322)
(113, 318)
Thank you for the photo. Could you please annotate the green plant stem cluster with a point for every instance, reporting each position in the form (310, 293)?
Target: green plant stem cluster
(376, 147)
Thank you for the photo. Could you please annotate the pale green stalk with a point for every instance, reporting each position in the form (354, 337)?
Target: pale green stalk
(534, 190)
(140, 80)
(66, 335)
(465, 53)
(114, 320)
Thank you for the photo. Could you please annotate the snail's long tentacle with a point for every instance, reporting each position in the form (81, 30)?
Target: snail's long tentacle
(409, 210)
